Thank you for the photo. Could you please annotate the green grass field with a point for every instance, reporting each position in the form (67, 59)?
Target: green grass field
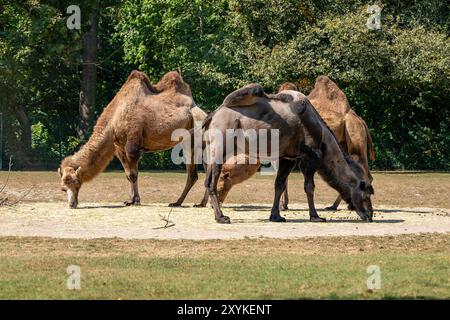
(332, 268)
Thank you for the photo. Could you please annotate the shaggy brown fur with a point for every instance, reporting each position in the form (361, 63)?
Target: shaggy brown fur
(141, 117)
(350, 130)
(287, 86)
(303, 134)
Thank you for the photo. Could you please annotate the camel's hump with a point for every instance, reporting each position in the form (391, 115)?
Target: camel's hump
(326, 95)
(136, 74)
(287, 86)
(173, 80)
(245, 96)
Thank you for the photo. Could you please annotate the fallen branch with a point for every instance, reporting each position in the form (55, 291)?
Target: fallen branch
(5, 201)
(169, 223)
(20, 198)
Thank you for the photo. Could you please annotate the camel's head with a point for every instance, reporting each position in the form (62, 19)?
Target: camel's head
(71, 183)
(361, 201)
(360, 191)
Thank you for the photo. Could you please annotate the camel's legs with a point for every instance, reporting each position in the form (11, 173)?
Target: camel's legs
(130, 160)
(284, 200)
(284, 169)
(192, 178)
(204, 201)
(335, 205)
(223, 193)
(191, 169)
(211, 180)
(309, 170)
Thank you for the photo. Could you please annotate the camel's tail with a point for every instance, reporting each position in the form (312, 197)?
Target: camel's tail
(369, 142)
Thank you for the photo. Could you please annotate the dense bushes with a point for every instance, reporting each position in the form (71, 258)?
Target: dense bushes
(397, 78)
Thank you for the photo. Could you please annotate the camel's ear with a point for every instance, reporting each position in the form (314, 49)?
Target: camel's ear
(78, 172)
(59, 172)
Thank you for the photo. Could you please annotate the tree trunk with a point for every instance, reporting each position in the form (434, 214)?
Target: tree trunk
(25, 134)
(89, 75)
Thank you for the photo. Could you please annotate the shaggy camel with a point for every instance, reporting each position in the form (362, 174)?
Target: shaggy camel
(350, 130)
(141, 117)
(302, 135)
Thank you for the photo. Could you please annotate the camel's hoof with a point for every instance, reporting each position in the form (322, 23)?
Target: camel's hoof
(224, 219)
(277, 219)
(331, 208)
(175, 204)
(317, 219)
(284, 208)
(199, 205)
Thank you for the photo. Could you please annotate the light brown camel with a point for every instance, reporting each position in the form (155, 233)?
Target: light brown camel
(303, 135)
(350, 130)
(140, 118)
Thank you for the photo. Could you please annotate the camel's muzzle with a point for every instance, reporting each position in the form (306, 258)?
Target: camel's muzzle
(72, 198)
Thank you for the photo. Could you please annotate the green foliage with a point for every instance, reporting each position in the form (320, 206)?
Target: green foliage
(396, 78)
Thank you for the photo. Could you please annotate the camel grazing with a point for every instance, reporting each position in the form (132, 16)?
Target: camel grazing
(140, 118)
(302, 135)
(232, 173)
(350, 130)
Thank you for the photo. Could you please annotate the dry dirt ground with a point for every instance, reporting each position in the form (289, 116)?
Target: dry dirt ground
(96, 220)
(404, 203)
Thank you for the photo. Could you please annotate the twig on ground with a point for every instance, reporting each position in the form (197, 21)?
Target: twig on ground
(20, 198)
(169, 223)
(5, 201)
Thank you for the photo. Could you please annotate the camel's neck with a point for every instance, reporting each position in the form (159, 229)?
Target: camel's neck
(95, 155)
(336, 171)
(334, 168)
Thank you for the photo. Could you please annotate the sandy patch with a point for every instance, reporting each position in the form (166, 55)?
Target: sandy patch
(96, 220)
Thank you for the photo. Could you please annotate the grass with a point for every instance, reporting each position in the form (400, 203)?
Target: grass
(323, 268)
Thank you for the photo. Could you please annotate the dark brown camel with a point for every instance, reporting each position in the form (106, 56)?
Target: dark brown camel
(302, 135)
(350, 130)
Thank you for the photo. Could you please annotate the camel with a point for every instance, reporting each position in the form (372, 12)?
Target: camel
(350, 130)
(140, 118)
(302, 135)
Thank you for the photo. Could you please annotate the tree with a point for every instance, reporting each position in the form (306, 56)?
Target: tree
(89, 74)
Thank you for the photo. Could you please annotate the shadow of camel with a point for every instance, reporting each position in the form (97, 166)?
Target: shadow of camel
(248, 208)
(113, 206)
(307, 220)
(400, 210)
(259, 208)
